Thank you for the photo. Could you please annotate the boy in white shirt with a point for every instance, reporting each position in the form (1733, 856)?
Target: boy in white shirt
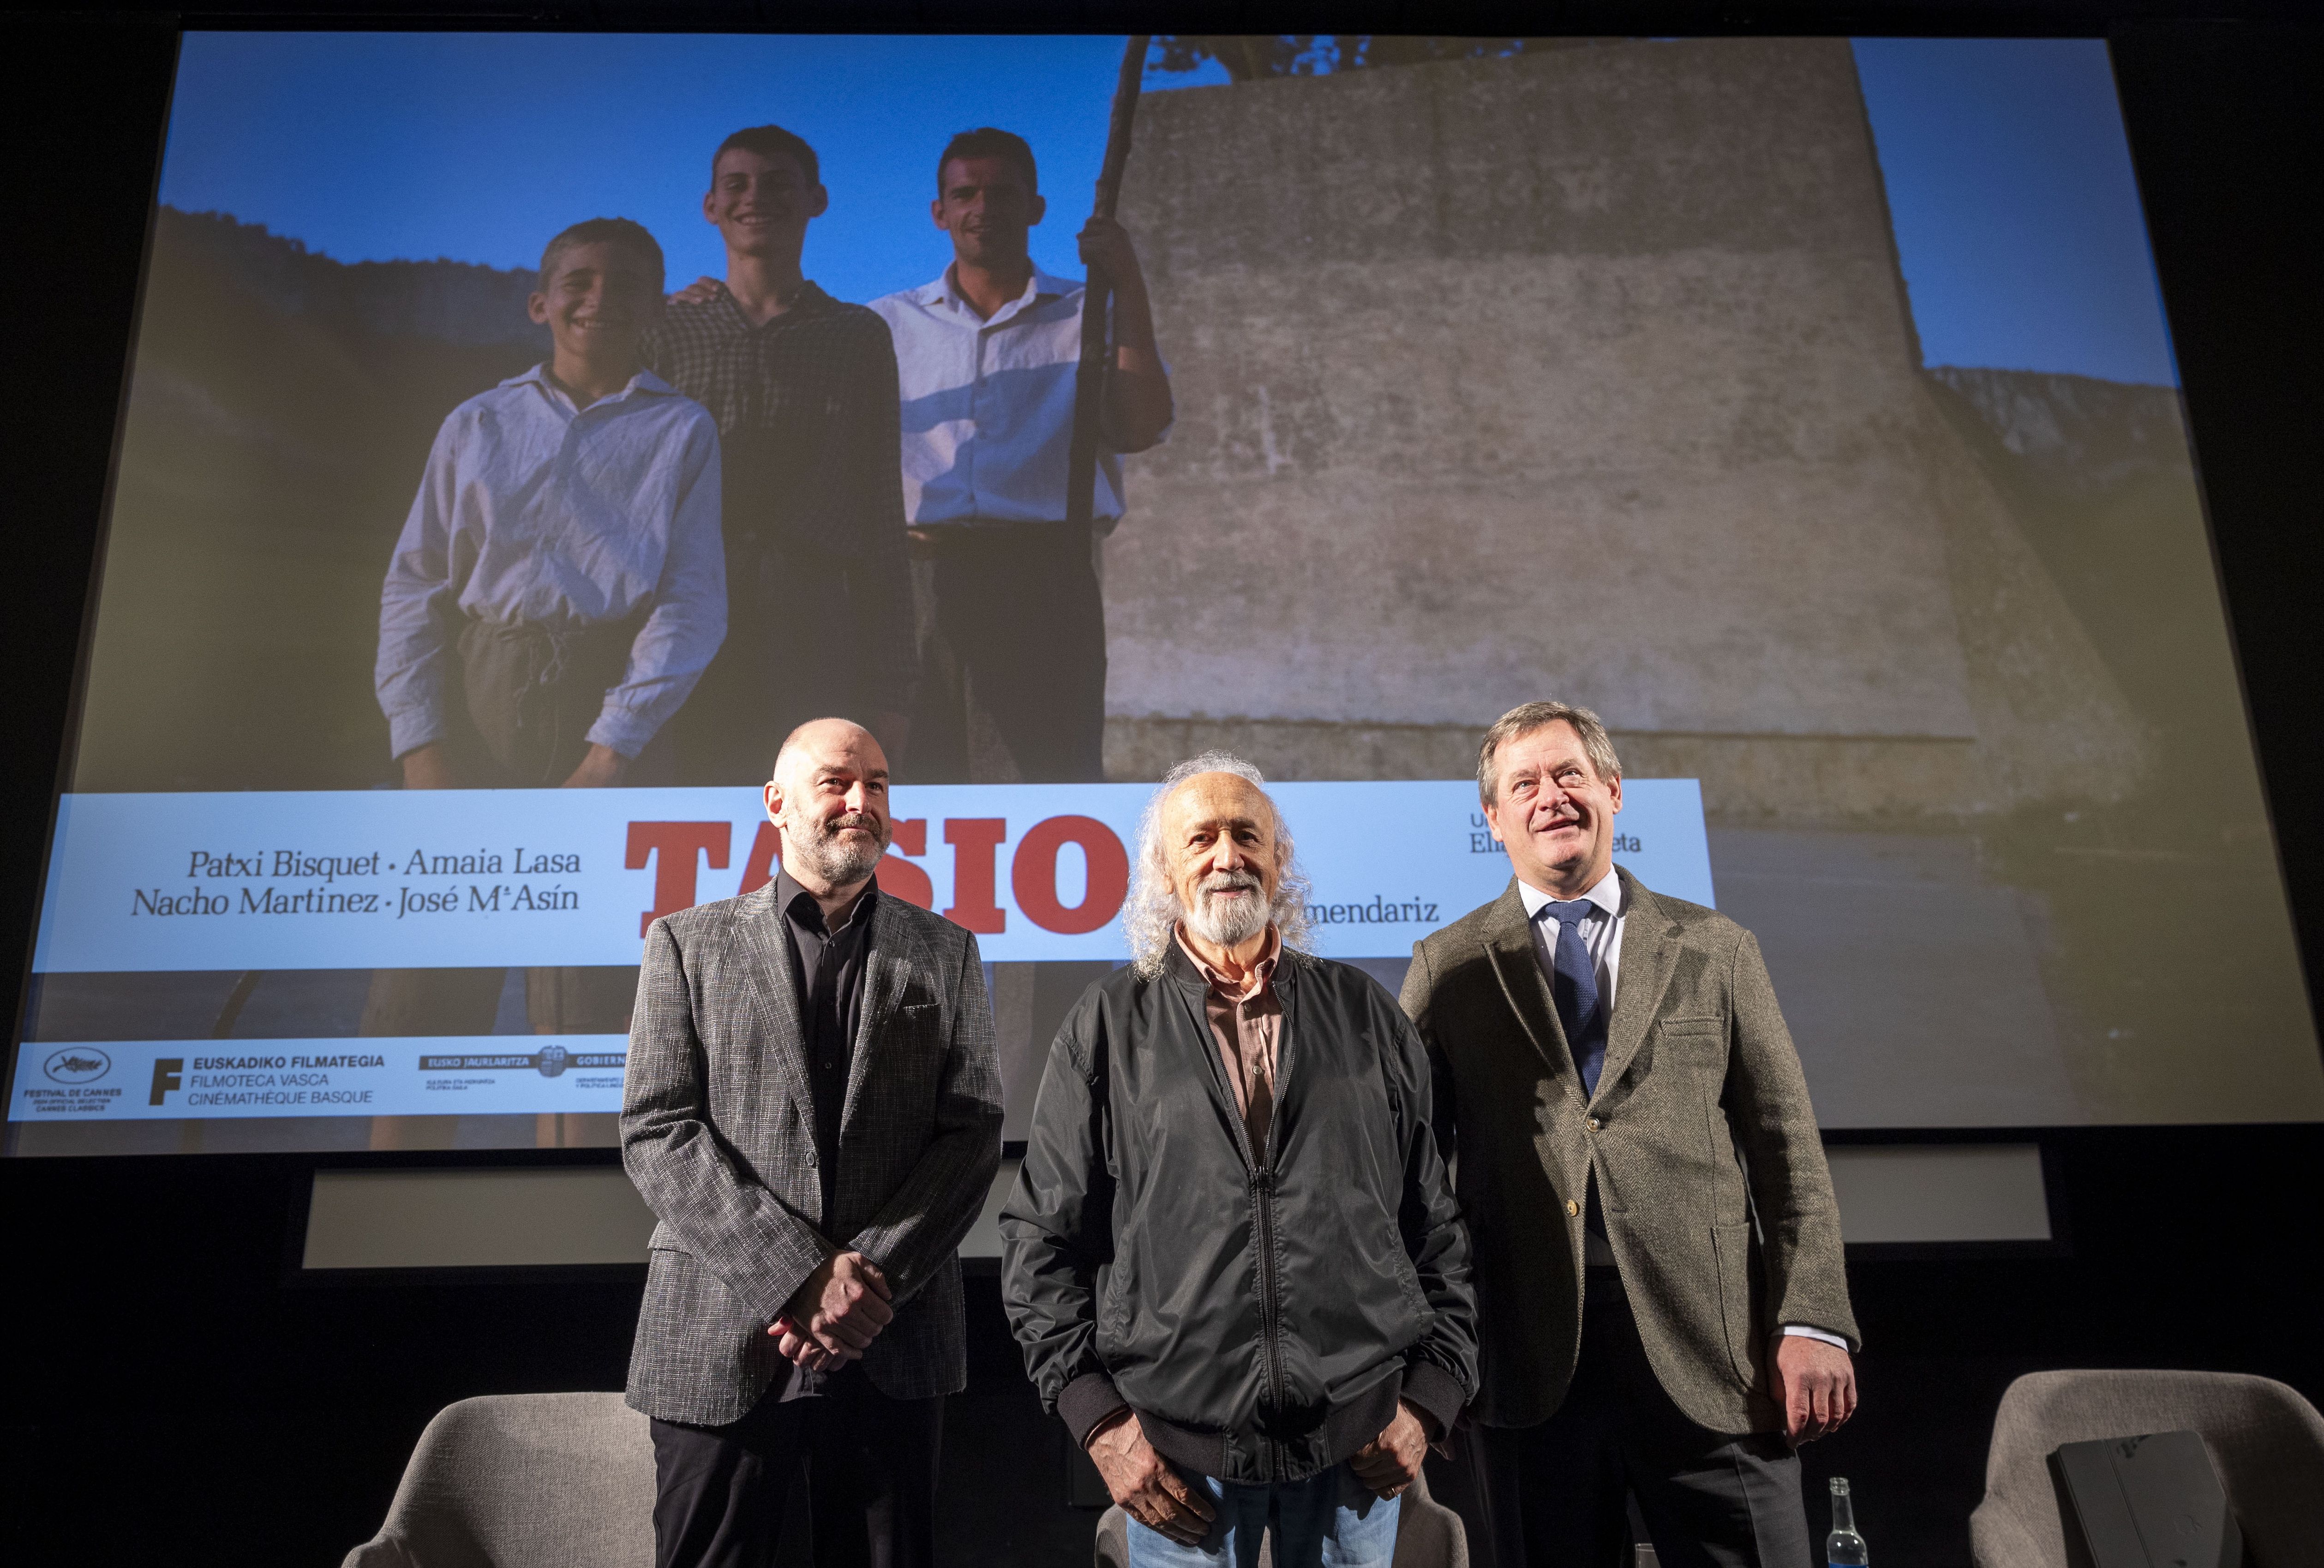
(557, 591)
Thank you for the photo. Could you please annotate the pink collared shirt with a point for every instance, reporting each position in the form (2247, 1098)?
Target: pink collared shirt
(1246, 1020)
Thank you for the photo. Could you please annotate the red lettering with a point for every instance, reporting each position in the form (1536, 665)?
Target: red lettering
(674, 846)
(1035, 874)
(975, 841)
(901, 877)
(759, 865)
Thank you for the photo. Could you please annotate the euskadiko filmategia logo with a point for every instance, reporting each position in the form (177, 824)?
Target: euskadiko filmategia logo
(77, 1064)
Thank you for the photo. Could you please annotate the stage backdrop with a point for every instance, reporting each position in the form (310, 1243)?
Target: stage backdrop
(1806, 408)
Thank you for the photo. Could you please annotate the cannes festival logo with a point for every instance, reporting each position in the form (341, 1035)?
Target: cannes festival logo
(77, 1065)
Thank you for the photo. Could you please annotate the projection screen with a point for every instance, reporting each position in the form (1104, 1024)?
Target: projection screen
(1804, 408)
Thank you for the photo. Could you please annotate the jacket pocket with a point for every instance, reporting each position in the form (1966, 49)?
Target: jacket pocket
(1732, 1243)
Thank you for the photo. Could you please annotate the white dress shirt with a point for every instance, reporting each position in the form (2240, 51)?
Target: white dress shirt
(1601, 932)
(1601, 935)
(988, 405)
(535, 511)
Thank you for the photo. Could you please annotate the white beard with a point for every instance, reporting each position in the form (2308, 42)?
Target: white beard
(1229, 922)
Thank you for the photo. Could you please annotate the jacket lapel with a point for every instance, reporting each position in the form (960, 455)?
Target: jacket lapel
(1649, 953)
(1178, 972)
(768, 973)
(1508, 942)
(896, 952)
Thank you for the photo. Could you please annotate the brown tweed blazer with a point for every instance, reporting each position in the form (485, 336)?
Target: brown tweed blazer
(1717, 1204)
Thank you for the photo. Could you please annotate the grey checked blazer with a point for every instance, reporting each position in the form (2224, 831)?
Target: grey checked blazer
(718, 1133)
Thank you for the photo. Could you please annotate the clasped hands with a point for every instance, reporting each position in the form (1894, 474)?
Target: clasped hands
(834, 1317)
(1150, 1492)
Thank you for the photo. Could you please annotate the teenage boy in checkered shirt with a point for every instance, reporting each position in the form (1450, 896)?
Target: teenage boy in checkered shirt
(820, 610)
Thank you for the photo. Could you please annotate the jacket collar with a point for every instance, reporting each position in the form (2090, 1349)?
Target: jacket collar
(1264, 969)
(1180, 968)
(897, 951)
(760, 922)
(1650, 945)
(1507, 937)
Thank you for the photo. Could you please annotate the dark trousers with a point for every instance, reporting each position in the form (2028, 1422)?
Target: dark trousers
(871, 1465)
(800, 646)
(1555, 1493)
(1012, 666)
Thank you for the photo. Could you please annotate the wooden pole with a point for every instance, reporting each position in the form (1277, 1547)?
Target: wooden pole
(1097, 299)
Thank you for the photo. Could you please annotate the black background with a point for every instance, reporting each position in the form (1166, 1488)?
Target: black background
(173, 1394)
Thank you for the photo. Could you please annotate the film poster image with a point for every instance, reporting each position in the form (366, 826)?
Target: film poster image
(1501, 369)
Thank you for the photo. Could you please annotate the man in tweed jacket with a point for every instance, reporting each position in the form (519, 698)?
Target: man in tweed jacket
(813, 1113)
(1662, 1309)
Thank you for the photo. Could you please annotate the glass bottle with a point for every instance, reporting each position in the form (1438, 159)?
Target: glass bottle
(1843, 1548)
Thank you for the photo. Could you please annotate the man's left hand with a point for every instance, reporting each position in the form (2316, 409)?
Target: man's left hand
(1105, 243)
(1387, 1462)
(1815, 1383)
(794, 1343)
(602, 768)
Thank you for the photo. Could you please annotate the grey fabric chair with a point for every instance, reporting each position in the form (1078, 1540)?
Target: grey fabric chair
(523, 1480)
(2265, 1440)
(1427, 1536)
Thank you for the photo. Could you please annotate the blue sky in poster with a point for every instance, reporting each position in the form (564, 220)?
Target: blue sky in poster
(2017, 218)
(2017, 215)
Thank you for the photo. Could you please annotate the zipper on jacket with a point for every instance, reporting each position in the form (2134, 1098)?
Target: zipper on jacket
(1259, 1169)
(1270, 1311)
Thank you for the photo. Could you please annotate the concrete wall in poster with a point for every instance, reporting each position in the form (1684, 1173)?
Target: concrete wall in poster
(1586, 371)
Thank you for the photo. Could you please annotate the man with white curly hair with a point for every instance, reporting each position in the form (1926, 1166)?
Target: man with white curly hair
(1232, 1257)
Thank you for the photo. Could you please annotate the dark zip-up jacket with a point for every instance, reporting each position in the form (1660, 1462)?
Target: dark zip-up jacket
(1260, 1311)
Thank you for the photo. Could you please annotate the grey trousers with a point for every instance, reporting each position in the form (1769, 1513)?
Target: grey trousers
(1554, 1494)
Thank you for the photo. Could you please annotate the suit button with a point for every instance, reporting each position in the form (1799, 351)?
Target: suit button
(1594, 1124)
(1571, 1208)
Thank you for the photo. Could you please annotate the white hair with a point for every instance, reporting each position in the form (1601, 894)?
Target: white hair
(1151, 915)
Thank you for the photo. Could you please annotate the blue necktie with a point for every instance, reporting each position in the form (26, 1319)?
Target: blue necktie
(1574, 986)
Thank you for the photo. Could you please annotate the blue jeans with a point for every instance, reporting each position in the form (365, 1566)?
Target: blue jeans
(1329, 1520)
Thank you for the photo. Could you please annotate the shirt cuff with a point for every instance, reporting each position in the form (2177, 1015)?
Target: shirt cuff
(621, 729)
(408, 731)
(1806, 1333)
(1084, 1402)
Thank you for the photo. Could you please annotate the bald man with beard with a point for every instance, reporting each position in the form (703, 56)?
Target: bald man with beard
(813, 1113)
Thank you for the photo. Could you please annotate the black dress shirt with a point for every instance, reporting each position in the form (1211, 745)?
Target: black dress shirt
(827, 983)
